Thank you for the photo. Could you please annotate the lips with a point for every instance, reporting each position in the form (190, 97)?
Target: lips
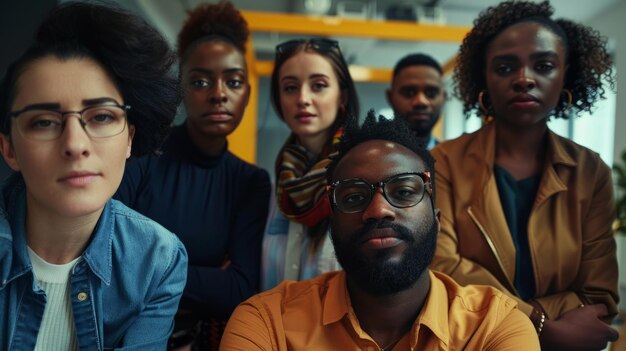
(79, 178)
(305, 115)
(382, 238)
(524, 100)
(218, 116)
(422, 116)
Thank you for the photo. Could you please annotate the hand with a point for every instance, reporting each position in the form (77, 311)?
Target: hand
(578, 330)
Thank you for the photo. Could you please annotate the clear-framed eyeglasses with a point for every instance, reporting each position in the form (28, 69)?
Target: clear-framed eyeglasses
(400, 190)
(98, 121)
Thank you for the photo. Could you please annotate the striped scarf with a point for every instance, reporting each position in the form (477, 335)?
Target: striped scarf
(301, 189)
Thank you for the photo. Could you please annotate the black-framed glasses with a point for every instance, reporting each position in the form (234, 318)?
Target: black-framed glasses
(400, 190)
(319, 44)
(98, 121)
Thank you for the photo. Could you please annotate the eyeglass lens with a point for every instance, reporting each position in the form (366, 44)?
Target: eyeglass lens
(98, 121)
(400, 191)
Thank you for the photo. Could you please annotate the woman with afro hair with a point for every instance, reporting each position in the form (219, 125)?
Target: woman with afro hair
(523, 209)
(216, 203)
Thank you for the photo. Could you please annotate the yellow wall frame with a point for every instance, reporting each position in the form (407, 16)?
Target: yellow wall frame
(243, 141)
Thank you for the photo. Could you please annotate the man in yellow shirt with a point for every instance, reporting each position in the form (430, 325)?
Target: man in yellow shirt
(384, 229)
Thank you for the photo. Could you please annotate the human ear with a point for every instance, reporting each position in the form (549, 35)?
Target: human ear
(8, 152)
(131, 134)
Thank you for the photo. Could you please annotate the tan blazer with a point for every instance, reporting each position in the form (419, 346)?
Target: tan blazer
(571, 242)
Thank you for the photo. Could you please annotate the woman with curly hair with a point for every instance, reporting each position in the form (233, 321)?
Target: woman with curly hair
(313, 93)
(215, 202)
(77, 269)
(523, 209)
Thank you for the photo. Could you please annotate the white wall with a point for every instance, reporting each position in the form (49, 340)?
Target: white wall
(611, 24)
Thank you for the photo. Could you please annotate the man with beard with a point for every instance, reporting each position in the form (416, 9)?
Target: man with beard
(417, 94)
(384, 229)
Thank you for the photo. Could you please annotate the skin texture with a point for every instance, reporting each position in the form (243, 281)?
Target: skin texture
(215, 82)
(56, 195)
(417, 94)
(389, 316)
(525, 72)
(310, 97)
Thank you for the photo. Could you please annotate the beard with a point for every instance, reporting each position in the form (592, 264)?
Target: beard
(379, 275)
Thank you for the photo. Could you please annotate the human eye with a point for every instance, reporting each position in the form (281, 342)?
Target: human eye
(199, 83)
(354, 198)
(319, 86)
(42, 120)
(432, 92)
(502, 69)
(404, 192)
(100, 116)
(290, 88)
(234, 83)
(544, 66)
(408, 93)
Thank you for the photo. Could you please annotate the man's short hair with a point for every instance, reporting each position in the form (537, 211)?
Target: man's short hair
(416, 60)
(395, 130)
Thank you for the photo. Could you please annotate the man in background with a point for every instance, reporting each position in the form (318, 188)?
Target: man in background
(417, 94)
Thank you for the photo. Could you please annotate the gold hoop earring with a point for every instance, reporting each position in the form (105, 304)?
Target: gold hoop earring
(487, 118)
(569, 99)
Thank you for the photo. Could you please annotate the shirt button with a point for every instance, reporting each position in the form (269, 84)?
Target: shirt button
(294, 266)
(82, 296)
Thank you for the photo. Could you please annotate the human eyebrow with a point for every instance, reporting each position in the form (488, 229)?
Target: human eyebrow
(318, 75)
(544, 54)
(505, 57)
(288, 78)
(99, 101)
(209, 72)
(41, 106)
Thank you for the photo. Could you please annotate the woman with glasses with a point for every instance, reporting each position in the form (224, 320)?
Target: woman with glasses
(523, 209)
(215, 202)
(313, 93)
(77, 269)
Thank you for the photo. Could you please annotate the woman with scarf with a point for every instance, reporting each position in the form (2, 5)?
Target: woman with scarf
(313, 93)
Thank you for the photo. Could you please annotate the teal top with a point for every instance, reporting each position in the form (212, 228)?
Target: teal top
(517, 198)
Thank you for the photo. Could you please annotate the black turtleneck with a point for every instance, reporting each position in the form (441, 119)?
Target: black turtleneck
(216, 205)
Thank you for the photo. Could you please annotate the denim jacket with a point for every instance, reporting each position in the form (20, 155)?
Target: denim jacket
(124, 288)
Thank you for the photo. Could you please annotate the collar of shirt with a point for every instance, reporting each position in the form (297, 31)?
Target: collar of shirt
(434, 313)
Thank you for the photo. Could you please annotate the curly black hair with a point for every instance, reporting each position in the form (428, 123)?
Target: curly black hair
(396, 130)
(134, 54)
(220, 21)
(586, 55)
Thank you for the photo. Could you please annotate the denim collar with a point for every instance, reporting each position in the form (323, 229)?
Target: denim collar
(14, 260)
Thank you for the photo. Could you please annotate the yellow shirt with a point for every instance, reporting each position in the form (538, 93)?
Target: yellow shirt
(316, 314)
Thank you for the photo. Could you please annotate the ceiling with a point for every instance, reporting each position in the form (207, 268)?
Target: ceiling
(168, 16)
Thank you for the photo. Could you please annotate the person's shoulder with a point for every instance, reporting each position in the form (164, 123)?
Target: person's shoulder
(134, 228)
(475, 298)
(461, 144)
(584, 157)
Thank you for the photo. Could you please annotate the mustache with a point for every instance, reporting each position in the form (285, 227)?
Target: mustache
(401, 231)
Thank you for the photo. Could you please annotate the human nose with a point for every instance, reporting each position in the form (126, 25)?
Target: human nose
(304, 97)
(379, 208)
(217, 95)
(76, 142)
(420, 101)
(524, 81)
